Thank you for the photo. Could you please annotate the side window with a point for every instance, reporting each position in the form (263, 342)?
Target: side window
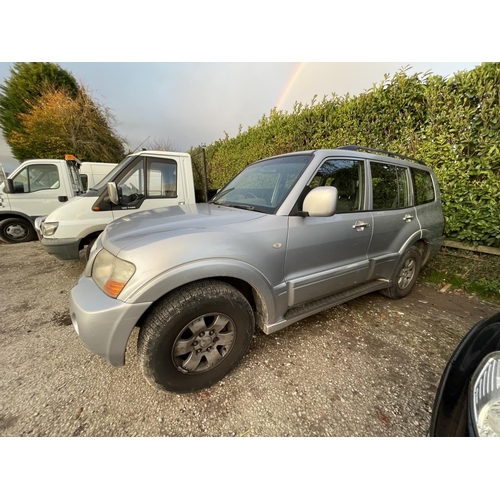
(348, 177)
(35, 178)
(131, 187)
(162, 179)
(391, 187)
(422, 186)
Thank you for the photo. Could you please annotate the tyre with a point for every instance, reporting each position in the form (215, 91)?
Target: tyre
(405, 275)
(195, 336)
(88, 248)
(16, 231)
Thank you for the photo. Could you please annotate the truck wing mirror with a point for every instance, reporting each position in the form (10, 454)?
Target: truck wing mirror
(9, 186)
(113, 193)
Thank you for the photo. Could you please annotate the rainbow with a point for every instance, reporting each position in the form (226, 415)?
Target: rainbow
(291, 81)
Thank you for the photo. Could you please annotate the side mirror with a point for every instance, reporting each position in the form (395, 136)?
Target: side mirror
(321, 202)
(113, 193)
(9, 186)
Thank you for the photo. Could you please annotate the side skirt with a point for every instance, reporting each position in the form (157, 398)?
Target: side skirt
(308, 309)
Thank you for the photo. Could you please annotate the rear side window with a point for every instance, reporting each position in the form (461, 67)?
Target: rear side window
(422, 186)
(391, 186)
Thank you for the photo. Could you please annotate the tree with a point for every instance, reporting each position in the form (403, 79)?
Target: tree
(27, 82)
(60, 123)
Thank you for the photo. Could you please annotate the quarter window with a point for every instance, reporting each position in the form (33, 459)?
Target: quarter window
(422, 186)
(391, 188)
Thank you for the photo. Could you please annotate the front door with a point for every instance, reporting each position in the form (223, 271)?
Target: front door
(150, 183)
(38, 190)
(326, 255)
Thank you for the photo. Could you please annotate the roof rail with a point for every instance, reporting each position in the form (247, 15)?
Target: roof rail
(387, 153)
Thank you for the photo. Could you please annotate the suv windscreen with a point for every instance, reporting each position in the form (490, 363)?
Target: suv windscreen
(264, 185)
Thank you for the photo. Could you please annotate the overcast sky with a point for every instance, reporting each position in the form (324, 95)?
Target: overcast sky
(188, 104)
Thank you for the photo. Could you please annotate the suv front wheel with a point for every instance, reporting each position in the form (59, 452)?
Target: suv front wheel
(195, 336)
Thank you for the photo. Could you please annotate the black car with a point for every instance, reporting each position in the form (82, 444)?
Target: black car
(468, 398)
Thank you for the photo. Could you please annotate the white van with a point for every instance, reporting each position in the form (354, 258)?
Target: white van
(37, 187)
(144, 180)
(92, 173)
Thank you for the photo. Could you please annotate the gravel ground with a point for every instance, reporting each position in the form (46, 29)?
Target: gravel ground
(366, 368)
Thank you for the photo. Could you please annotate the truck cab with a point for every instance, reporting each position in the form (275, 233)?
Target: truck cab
(36, 188)
(143, 181)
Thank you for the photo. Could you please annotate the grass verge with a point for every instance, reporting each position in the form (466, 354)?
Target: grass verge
(472, 272)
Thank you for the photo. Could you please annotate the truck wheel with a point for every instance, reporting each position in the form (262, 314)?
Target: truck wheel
(195, 336)
(16, 231)
(405, 275)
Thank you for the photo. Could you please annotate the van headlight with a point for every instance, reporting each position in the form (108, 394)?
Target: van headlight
(484, 396)
(110, 273)
(49, 228)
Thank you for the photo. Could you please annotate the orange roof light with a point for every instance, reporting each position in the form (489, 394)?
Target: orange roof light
(70, 157)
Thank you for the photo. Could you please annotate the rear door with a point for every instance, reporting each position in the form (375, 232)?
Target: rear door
(326, 255)
(394, 216)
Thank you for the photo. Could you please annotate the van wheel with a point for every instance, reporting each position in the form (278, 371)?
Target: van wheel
(195, 336)
(405, 275)
(16, 231)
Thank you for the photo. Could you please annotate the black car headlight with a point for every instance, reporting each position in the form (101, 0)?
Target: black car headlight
(484, 396)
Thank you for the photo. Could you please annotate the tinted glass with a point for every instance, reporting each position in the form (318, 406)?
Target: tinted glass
(348, 177)
(390, 186)
(423, 187)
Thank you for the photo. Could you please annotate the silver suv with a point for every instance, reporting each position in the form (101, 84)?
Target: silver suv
(288, 237)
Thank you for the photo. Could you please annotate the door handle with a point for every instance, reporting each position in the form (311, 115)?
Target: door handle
(360, 225)
(408, 218)
(62, 199)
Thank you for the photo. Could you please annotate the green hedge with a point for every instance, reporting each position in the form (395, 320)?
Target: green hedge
(453, 125)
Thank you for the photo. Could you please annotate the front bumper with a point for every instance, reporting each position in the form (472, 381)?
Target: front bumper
(62, 248)
(103, 324)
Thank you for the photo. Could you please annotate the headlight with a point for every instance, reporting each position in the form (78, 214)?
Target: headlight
(110, 273)
(485, 396)
(49, 228)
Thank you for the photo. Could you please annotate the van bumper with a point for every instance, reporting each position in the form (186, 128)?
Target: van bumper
(62, 248)
(103, 324)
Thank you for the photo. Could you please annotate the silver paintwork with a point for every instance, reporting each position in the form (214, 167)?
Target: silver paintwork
(292, 264)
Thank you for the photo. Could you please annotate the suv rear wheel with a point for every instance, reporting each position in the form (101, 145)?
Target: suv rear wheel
(195, 336)
(405, 275)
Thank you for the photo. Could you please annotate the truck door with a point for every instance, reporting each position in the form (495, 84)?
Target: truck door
(326, 255)
(150, 183)
(38, 190)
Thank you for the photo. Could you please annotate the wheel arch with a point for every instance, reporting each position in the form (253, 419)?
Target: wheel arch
(17, 215)
(86, 240)
(246, 279)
